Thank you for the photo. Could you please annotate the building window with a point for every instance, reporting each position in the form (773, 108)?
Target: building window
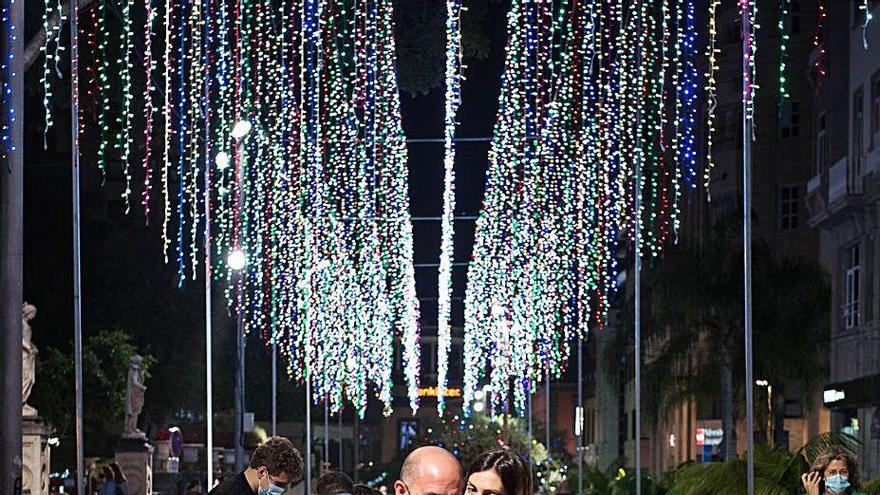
(822, 144)
(858, 147)
(788, 207)
(851, 284)
(789, 119)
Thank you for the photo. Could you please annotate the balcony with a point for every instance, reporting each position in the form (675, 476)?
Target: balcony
(834, 194)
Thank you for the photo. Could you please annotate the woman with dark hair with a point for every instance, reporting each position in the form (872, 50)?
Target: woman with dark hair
(499, 472)
(108, 478)
(834, 472)
(121, 482)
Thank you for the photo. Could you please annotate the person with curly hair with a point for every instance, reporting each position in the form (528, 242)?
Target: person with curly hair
(834, 472)
(499, 472)
(274, 466)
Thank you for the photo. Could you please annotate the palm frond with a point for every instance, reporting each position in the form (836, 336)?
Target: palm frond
(871, 487)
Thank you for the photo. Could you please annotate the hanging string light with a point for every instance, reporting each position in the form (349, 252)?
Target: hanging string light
(105, 89)
(447, 251)
(748, 13)
(868, 16)
(783, 49)
(149, 66)
(711, 91)
(126, 118)
(572, 149)
(7, 76)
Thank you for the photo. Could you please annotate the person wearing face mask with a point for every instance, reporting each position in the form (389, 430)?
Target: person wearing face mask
(274, 466)
(834, 472)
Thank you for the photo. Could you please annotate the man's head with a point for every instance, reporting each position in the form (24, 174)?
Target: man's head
(429, 471)
(277, 462)
(333, 483)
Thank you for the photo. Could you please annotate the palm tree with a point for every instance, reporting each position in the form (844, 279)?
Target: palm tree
(776, 472)
(693, 323)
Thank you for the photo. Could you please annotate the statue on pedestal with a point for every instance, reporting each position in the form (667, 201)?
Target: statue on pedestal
(134, 398)
(28, 358)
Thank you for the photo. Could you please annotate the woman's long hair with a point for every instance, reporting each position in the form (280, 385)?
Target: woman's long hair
(513, 471)
(835, 453)
(117, 472)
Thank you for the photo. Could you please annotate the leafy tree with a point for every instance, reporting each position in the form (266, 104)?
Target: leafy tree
(106, 358)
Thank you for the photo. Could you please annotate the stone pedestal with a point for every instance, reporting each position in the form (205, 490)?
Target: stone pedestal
(35, 457)
(135, 457)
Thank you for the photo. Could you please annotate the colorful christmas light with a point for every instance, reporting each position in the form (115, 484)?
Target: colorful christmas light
(447, 251)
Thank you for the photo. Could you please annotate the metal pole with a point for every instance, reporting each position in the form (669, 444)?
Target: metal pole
(357, 444)
(77, 272)
(209, 364)
(11, 253)
(339, 435)
(547, 413)
(637, 337)
(531, 438)
(327, 430)
(747, 242)
(580, 440)
(274, 388)
(239, 392)
(637, 289)
(308, 487)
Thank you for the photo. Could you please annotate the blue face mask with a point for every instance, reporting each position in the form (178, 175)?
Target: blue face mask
(271, 489)
(836, 483)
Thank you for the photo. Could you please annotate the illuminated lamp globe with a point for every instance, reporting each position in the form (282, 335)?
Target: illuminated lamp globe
(241, 129)
(236, 259)
(222, 160)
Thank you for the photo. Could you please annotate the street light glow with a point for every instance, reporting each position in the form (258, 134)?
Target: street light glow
(222, 160)
(241, 129)
(236, 259)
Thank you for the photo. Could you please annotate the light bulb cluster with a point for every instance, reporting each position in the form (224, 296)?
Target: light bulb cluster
(712, 91)
(600, 107)
(748, 14)
(282, 126)
(784, 6)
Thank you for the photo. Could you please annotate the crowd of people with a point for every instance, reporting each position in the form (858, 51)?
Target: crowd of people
(430, 470)
(277, 464)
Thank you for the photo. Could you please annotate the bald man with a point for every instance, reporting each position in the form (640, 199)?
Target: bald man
(429, 471)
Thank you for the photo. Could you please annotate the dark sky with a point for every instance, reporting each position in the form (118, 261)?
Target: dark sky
(423, 118)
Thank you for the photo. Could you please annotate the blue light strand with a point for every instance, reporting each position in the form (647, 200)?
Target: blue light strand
(688, 93)
(8, 78)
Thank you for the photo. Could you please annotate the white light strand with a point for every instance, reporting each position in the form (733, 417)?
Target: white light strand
(447, 245)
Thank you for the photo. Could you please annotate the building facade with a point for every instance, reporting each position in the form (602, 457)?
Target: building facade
(783, 164)
(843, 200)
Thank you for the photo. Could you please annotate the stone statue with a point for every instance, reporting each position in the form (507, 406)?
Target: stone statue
(134, 400)
(28, 358)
